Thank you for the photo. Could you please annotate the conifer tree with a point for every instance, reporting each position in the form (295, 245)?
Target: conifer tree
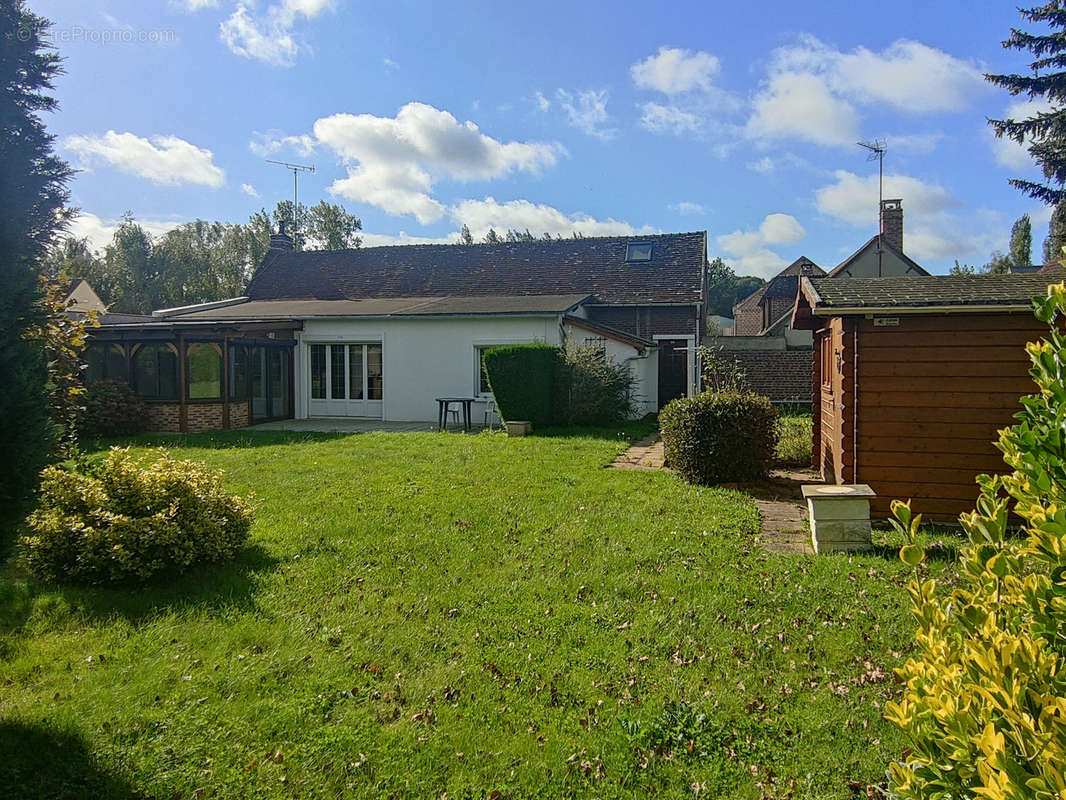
(1044, 133)
(1056, 236)
(1021, 242)
(33, 186)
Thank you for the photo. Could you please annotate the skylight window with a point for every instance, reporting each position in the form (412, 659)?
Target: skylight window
(638, 251)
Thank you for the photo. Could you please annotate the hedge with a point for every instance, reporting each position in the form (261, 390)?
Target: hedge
(522, 378)
(718, 437)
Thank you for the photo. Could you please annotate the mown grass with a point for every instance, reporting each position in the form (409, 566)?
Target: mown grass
(426, 615)
(794, 442)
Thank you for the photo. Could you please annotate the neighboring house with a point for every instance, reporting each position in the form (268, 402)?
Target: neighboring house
(81, 298)
(381, 332)
(766, 346)
(915, 377)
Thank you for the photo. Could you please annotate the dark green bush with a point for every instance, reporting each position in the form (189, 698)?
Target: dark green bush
(719, 437)
(592, 390)
(522, 378)
(125, 520)
(111, 408)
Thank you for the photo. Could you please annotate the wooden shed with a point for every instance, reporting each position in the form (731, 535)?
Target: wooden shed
(913, 377)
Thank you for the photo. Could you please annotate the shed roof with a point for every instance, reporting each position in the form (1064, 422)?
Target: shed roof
(829, 296)
(590, 266)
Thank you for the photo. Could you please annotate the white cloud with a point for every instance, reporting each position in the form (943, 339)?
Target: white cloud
(1009, 153)
(587, 111)
(915, 143)
(750, 250)
(688, 208)
(763, 166)
(389, 64)
(265, 144)
(781, 229)
(249, 190)
(658, 118)
(195, 5)
(386, 239)
(268, 37)
(538, 218)
(673, 70)
(795, 105)
(543, 103)
(161, 159)
(853, 199)
(908, 76)
(99, 232)
(932, 229)
(394, 162)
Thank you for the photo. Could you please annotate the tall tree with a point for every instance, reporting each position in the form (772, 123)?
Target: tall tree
(33, 186)
(283, 216)
(725, 289)
(1021, 242)
(1043, 133)
(465, 237)
(128, 263)
(998, 264)
(1056, 234)
(331, 227)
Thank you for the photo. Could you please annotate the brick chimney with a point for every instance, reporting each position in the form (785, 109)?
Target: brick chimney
(892, 223)
(281, 240)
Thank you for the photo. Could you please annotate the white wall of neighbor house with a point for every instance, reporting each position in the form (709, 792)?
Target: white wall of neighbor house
(422, 358)
(865, 266)
(427, 358)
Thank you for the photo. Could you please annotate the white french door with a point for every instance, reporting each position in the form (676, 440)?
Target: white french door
(346, 380)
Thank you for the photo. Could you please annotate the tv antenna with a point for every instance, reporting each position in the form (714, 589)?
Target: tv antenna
(877, 151)
(296, 170)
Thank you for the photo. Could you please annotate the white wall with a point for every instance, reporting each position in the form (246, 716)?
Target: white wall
(422, 359)
(426, 358)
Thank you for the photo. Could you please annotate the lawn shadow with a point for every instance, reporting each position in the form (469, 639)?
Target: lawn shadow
(630, 432)
(210, 587)
(214, 440)
(44, 763)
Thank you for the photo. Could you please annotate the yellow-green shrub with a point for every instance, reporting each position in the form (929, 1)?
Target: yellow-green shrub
(985, 698)
(125, 519)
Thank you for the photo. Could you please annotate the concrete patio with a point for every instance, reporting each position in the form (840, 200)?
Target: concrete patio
(349, 425)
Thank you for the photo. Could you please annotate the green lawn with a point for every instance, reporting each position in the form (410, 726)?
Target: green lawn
(427, 615)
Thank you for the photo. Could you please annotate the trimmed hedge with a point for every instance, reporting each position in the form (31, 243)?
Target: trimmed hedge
(719, 437)
(123, 520)
(111, 408)
(522, 379)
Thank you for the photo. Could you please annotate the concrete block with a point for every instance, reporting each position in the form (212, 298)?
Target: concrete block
(519, 428)
(839, 516)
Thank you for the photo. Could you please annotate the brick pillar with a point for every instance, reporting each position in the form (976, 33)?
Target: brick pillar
(892, 223)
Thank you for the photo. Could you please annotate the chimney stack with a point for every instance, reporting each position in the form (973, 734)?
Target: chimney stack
(281, 240)
(892, 223)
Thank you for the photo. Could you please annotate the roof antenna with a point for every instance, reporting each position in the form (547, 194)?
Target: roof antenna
(877, 150)
(296, 168)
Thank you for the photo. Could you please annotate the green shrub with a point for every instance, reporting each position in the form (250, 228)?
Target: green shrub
(592, 390)
(717, 437)
(794, 440)
(984, 703)
(522, 378)
(125, 520)
(111, 408)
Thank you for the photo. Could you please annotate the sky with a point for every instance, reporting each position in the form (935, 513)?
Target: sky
(607, 118)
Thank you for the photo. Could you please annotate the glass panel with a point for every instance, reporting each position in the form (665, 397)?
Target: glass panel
(355, 372)
(274, 355)
(155, 371)
(95, 363)
(238, 372)
(203, 370)
(282, 409)
(257, 373)
(374, 377)
(318, 372)
(115, 364)
(336, 371)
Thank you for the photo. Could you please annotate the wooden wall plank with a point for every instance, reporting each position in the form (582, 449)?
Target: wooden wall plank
(921, 399)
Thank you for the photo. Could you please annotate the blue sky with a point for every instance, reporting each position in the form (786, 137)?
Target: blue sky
(606, 117)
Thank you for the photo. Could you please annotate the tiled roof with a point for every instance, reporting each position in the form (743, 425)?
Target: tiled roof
(784, 283)
(591, 266)
(384, 307)
(927, 291)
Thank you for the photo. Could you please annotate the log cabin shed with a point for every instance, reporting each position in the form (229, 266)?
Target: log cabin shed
(913, 377)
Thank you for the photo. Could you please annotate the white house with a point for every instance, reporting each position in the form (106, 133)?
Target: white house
(381, 333)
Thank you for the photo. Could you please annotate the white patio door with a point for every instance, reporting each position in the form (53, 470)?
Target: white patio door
(346, 380)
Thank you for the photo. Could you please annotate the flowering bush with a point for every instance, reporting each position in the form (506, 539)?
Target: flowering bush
(127, 520)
